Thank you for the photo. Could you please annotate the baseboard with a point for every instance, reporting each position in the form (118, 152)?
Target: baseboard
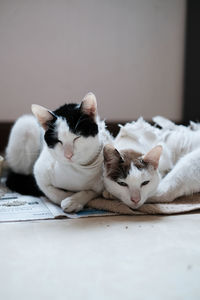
(5, 128)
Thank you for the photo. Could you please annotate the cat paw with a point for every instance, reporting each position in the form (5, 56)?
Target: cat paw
(69, 205)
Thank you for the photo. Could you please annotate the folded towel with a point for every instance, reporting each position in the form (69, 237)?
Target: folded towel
(180, 205)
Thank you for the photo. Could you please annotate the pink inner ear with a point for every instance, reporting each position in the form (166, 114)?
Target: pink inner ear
(42, 114)
(110, 154)
(153, 156)
(89, 105)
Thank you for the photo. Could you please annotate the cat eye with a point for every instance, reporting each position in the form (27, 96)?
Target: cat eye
(59, 141)
(76, 138)
(122, 183)
(145, 183)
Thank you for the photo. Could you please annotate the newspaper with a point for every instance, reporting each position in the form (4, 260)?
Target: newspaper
(15, 207)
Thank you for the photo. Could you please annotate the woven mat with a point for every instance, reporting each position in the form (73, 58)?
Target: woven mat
(178, 206)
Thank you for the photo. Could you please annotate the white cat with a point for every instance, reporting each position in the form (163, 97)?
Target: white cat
(69, 168)
(135, 178)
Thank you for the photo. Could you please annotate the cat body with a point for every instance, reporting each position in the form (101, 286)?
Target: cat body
(167, 174)
(70, 147)
(78, 177)
(183, 179)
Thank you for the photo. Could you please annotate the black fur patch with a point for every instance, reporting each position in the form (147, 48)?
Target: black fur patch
(23, 184)
(79, 123)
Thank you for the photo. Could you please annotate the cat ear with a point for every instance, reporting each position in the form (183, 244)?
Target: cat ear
(42, 114)
(153, 156)
(89, 105)
(111, 156)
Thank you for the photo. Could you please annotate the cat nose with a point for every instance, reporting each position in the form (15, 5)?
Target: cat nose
(135, 196)
(69, 155)
(68, 151)
(135, 200)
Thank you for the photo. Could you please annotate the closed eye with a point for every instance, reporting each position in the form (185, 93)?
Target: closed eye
(122, 183)
(59, 141)
(76, 138)
(145, 182)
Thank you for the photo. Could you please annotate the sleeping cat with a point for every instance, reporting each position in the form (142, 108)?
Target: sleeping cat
(68, 169)
(131, 176)
(167, 171)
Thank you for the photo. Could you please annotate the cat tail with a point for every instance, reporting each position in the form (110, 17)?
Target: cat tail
(164, 122)
(24, 145)
(23, 149)
(23, 184)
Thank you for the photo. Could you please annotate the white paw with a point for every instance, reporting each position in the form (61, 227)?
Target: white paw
(69, 205)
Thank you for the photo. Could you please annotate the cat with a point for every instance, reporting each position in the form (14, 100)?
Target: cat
(131, 176)
(63, 149)
(169, 169)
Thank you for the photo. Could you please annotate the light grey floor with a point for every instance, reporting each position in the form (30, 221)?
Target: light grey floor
(101, 258)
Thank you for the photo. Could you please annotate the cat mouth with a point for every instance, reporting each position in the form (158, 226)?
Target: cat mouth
(135, 205)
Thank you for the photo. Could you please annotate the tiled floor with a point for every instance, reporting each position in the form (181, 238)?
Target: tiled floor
(101, 258)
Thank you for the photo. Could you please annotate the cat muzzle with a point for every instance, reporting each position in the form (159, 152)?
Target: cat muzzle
(68, 151)
(135, 198)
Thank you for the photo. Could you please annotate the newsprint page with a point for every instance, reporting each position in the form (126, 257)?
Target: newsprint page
(15, 207)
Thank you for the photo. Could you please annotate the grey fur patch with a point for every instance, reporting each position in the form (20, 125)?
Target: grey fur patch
(118, 164)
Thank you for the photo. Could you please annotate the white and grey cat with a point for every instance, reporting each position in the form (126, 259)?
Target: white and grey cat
(170, 167)
(64, 152)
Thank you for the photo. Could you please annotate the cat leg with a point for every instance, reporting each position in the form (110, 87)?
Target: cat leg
(182, 180)
(77, 201)
(55, 195)
(43, 170)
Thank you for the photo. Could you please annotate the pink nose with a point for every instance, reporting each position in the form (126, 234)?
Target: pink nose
(135, 200)
(69, 156)
(68, 151)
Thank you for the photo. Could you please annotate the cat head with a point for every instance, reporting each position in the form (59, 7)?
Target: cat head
(71, 131)
(130, 176)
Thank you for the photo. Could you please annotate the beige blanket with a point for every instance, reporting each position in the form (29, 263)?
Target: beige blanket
(180, 205)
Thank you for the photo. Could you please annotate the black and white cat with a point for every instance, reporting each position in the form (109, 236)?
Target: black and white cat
(67, 166)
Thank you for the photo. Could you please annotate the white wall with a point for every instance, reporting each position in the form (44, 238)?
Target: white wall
(128, 52)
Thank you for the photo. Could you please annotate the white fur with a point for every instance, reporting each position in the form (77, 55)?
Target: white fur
(184, 177)
(70, 174)
(134, 189)
(142, 137)
(180, 160)
(24, 145)
(82, 172)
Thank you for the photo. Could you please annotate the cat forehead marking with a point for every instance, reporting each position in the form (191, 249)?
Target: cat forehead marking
(122, 169)
(133, 159)
(64, 133)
